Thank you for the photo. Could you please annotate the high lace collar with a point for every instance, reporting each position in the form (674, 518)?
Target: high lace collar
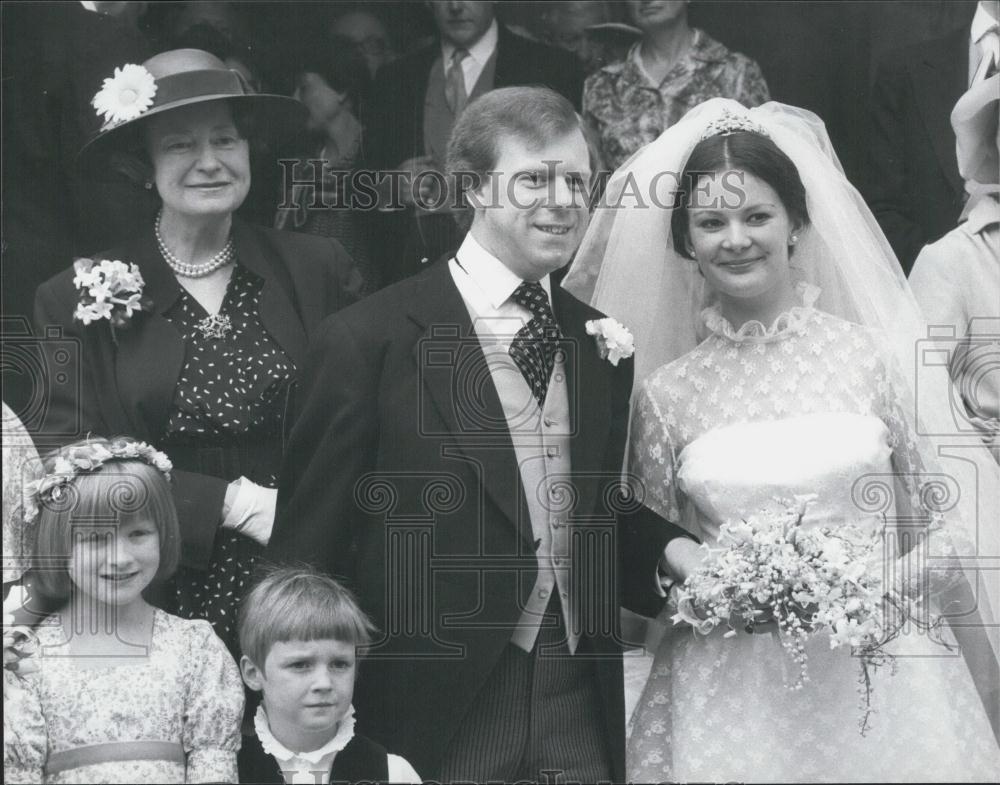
(791, 321)
(275, 748)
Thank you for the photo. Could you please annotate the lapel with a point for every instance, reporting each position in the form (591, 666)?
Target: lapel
(277, 312)
(940, 78)
(453, 373)
(589, 380)
(150, 356)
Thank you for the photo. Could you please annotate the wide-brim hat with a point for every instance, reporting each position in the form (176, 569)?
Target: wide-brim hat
(975, 118)
(174, 79)
(613, 33)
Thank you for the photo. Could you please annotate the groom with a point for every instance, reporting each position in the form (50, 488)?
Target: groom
(456, 461)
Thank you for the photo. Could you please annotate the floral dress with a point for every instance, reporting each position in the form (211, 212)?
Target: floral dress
(227, 420)
(628, 111)
(187, 692)
(806, 406)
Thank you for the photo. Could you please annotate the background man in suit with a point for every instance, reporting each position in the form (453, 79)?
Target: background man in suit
(417, 98)
(913, 184)
(457, 458)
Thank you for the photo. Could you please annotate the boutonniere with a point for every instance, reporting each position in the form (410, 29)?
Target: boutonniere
(109, 289)
(614, 340)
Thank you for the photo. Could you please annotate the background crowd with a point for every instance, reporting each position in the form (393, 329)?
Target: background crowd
(883, 75)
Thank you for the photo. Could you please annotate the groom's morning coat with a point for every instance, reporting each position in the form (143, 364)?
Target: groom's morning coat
(401, 477)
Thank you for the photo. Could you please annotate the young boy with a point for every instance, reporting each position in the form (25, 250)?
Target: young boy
(299, 632)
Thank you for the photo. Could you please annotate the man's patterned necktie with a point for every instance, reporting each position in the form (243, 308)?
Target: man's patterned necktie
(534, 347)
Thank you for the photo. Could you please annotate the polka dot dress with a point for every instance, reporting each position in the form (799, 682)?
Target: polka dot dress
(229, 400)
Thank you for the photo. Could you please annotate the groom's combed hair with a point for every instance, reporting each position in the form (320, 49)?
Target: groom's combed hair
(533, 115)
(740, 151)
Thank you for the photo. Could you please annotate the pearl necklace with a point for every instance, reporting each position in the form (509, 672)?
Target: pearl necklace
(217, 262)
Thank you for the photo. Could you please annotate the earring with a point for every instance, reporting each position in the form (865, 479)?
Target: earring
(148, 185)
(793, 239)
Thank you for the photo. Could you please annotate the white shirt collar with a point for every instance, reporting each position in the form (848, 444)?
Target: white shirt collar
(982, 23)
(273, 747)
(481, 51)
(492, 278)
(89, 5)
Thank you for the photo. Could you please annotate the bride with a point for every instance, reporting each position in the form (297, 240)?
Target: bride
(772, 327)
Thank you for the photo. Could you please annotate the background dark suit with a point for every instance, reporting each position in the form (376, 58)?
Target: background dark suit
(401, 476)
(395, 131)
(913, 185)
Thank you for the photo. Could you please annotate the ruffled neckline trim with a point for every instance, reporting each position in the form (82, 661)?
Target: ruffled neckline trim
(278, 750)
(791, 321)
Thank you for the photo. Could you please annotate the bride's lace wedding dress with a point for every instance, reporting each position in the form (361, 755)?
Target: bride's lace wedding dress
(805, 406)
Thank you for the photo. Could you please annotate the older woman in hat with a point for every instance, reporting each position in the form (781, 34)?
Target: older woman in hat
(189, 337)
(957, 279)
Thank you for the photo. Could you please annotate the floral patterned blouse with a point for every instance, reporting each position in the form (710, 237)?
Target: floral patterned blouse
(628, 111)
(188, 692)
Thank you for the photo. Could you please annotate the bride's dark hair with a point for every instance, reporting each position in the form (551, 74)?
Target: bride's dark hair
(740, 151)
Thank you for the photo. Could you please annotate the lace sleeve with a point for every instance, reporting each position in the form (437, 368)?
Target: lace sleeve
(652, 463)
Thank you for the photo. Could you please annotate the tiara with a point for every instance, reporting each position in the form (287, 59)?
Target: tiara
(87, 457)
(730, 123)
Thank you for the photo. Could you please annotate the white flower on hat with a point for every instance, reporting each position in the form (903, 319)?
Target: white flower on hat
(125, 96)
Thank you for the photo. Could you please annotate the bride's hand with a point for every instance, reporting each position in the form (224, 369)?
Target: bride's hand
(682, 557)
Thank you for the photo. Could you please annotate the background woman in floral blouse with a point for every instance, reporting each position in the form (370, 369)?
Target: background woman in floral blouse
(671, 70)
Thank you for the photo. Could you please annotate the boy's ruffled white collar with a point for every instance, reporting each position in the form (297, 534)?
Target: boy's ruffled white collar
(274, 747)
(792, 320)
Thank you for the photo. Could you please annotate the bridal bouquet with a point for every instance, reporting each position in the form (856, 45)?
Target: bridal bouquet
(806, 581)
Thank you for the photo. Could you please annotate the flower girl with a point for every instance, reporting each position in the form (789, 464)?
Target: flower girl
(123, 692)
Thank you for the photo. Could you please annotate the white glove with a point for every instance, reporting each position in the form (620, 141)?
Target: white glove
(249, 509)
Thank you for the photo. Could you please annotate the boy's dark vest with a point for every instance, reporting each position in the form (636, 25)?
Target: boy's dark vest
(362, 760)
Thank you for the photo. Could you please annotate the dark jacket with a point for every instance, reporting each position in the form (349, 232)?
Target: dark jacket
(402, 478)
(123, 383)
(913, 184)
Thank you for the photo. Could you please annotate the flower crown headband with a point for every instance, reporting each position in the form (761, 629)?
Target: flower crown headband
(86, 458)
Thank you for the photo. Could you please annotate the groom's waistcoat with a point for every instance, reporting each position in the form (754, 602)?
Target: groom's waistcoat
(541, 443)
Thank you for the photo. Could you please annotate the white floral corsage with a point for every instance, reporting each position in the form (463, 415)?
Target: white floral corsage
(125, 96)
(87, 458)
(110, 290)
(614, 340)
